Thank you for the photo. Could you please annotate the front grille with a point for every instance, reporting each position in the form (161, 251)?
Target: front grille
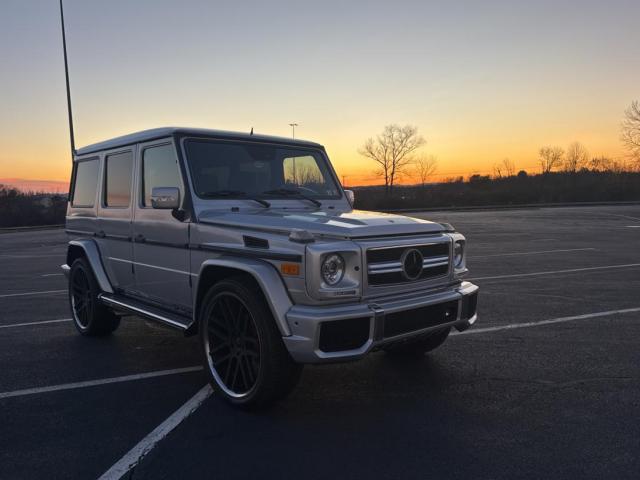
(420, 318)
(385, 264)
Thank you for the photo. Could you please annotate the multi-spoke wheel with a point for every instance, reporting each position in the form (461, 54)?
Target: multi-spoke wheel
(244, 355)
(89, 316)
(233, 344)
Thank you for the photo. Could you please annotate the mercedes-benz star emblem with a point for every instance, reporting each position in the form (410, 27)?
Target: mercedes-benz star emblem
(412, 263)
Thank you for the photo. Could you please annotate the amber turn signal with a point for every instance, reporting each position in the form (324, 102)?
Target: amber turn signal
(290, 268)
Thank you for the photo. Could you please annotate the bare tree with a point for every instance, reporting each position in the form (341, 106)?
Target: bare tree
(506, 168)
(393, 151)
(576, 158)
(426, 166)
(630, 133)
(600, 164)
(550, 158)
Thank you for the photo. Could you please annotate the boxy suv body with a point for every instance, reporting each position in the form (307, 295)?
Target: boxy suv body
(250, 242)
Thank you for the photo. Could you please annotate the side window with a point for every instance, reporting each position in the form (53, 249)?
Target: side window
(86, 183)
(159, 169)
(117, 184)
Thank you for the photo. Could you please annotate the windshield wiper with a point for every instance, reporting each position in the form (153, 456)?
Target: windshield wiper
(289, 192)
(235, 193)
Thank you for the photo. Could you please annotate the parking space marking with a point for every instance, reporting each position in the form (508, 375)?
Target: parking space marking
(27, 324)
(539, 252)
(51, 274)
(137, 453)
(94, 383)
(59, 255)
(25, 294)
(552, 272)
(551, 321)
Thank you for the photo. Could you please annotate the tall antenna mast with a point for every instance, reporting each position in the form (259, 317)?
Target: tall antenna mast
(66, 75)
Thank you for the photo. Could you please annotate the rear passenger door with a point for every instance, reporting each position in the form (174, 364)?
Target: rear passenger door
(161, 241)
(115, 210)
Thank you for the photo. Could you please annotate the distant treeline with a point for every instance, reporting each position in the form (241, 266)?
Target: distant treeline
(553, 187)
(19, 209)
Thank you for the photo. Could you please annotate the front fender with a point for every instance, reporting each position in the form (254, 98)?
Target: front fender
(267, 278)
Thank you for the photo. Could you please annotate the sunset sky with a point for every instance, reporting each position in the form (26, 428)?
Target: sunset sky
(481, 80)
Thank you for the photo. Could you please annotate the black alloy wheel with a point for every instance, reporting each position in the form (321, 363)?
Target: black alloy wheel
(90, 317)
(243, 353)
(234, 344)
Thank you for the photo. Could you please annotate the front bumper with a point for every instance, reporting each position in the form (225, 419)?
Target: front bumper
(345, 332)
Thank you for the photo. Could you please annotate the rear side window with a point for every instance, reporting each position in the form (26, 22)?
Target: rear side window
(159, 169)
(86, 183)
(117, 184)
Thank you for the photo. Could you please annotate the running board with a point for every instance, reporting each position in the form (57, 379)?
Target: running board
(179, 322)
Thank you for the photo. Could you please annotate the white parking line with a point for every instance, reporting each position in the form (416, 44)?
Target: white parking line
(27, 324)
(551, 321)
(137, 453)
(25, 294)
(52, 274)
(94, 383)
(532, 253)
(552, 272)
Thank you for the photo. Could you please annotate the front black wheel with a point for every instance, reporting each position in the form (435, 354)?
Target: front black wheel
(244, 356)
(90, 317)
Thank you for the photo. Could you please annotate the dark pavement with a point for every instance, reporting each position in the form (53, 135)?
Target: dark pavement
(558, 401)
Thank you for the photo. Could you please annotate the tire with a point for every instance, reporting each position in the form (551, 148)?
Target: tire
(418, 347)
(243, 353)
(90, 317)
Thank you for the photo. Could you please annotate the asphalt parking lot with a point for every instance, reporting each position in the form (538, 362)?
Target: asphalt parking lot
(547, 384)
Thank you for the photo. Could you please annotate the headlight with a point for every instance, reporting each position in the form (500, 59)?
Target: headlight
(332, 269)
(458, 254)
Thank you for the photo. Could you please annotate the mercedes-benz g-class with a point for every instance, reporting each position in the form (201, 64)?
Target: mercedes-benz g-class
(250, 242)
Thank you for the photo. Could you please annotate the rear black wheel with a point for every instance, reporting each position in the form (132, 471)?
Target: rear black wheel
(90, 317)
(420, 346)
(244, 355)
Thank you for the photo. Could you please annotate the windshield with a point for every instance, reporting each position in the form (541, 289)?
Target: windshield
(235, 170)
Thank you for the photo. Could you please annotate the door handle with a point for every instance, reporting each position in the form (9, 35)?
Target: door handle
(101, 234)
(139, 238)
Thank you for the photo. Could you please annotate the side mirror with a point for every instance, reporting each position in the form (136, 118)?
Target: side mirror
(350, 196)
(165, 198)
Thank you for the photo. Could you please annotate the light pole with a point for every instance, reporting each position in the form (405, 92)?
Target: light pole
(293, 135)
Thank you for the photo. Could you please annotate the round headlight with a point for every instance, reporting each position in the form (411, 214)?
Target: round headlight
(332, 269)
(458, 254)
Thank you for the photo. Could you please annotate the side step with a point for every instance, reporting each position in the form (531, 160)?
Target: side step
(134, 307)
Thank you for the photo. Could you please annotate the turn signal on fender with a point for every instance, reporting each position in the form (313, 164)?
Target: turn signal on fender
(290, 268)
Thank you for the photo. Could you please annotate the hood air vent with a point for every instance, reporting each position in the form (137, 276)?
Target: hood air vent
(254, 242)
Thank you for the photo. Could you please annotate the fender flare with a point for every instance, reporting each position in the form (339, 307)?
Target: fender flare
(267, 278)
(92, 255)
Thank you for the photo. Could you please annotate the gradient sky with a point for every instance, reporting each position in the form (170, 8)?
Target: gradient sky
(481, 80)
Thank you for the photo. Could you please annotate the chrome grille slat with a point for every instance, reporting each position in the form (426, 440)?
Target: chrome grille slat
(385, 267)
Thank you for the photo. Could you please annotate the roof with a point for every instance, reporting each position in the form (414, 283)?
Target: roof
(156, 133)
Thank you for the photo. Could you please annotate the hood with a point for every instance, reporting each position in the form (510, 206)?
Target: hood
(351, 224)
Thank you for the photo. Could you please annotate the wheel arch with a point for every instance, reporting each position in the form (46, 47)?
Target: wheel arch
(88, 249)
(262, 274)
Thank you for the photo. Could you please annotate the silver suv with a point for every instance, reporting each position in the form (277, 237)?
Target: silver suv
(251, 243)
